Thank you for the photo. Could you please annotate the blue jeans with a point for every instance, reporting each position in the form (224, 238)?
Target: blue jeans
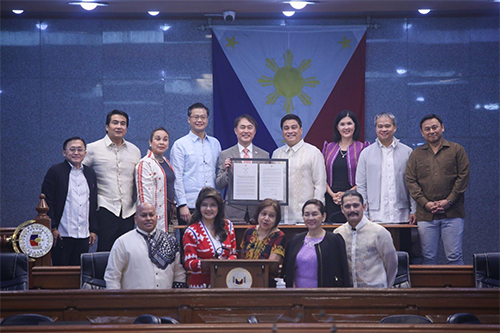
(450, 231)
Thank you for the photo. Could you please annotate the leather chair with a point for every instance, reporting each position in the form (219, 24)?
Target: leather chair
(27, 319)
(487, 270)
(403, 275)
(405, 319)
(150, 319)
(93, 266)
(463, 318)
(14, 271)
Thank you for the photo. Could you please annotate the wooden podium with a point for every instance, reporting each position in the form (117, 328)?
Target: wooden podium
(239, 273)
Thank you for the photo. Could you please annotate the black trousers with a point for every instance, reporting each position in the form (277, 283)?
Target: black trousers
(67, 251)
(110, 228)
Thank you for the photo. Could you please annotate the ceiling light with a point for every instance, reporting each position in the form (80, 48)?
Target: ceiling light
(153, 12)
(424, 11)
(288, 13)
(88, 5)
(17, 11)
(298, 4)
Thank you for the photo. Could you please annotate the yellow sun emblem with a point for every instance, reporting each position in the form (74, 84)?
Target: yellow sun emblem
(288, 81)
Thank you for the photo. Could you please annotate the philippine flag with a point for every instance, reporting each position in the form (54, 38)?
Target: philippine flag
(267, 72)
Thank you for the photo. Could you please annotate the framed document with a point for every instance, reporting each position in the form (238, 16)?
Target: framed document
(255, 179)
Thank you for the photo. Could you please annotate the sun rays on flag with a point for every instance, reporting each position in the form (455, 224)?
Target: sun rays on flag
(288, 81)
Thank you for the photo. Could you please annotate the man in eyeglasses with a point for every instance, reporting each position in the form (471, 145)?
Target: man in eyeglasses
(371, 255)
(194, 159)
(71, 193)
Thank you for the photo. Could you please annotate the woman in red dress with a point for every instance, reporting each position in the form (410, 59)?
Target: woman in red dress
(208, 236)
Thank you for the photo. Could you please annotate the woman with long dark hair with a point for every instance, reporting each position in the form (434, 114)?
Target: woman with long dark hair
(208, 236)
(341, 160)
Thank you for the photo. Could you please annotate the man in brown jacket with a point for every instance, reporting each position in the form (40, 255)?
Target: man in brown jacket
(437, 174)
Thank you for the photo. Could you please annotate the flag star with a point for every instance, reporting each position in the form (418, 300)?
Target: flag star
(345, 43)
(231, 42)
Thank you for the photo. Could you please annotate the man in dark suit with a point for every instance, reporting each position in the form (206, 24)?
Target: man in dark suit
(71, 193)
(245, 128)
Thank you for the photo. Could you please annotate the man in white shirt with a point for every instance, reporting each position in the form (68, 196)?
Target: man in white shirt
(380, 176)
(114, 160)
(245, 128)
(370, 250)
(194, 159)
(307, 174)
(145, 258)
(71, 193)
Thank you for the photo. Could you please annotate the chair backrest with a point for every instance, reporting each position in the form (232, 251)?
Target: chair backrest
(405, 319)
(463, 318)
(151, 319)
(14, 271)
(403, 275)
(147, 319)
(28, 319)
(93, 267)
(487, 270)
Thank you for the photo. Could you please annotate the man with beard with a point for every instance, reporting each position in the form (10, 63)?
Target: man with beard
(370, 251)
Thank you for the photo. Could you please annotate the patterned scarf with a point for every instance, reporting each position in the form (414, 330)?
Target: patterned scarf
(162, 248)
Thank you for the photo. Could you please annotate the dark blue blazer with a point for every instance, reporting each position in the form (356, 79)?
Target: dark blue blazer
(55, 187)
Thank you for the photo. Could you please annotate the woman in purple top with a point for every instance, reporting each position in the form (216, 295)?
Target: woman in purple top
(316, 258)
(341, 160)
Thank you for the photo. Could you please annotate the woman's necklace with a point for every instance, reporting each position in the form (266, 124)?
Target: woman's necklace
(159, 158)
(343, 152)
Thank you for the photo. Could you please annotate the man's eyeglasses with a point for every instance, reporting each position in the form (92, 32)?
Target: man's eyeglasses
(74, 150)
(198, 117)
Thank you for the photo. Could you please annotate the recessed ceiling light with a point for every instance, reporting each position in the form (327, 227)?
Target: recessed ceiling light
(153, 12)
(17, 11)
(88, 5)
(288, 13)
(424, 11)
(298, 4)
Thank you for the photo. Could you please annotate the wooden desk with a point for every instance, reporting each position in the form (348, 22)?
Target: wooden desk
(301, 305)
(262, 328)
(442, 276)
(439, 276)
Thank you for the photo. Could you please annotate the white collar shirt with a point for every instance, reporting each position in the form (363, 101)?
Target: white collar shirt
(371, 254)
(195, 164)
(242, 153)
(75, 218)
(115, 170)
(306, 178)
(129, 265)
(389, 211)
